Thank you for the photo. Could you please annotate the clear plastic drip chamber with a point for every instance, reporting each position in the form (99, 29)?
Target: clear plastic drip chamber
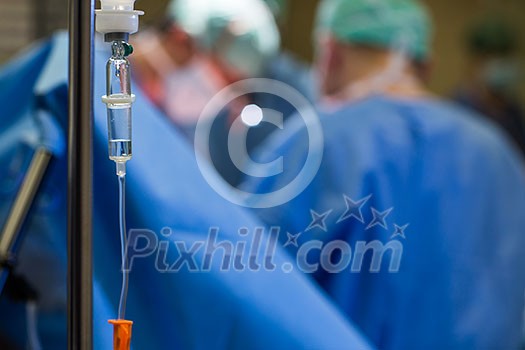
(119, 100)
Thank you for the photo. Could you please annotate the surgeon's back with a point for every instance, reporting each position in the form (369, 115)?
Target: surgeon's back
(439, 194)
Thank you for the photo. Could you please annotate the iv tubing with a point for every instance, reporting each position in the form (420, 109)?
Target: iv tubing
(80, 177)
(32, 328)
(123, 242)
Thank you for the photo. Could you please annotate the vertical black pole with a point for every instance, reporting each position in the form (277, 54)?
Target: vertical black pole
(80, 175)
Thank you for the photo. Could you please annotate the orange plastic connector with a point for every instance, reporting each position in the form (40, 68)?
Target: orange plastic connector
(121, 334)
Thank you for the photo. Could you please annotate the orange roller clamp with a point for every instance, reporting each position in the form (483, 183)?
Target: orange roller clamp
(121, 334)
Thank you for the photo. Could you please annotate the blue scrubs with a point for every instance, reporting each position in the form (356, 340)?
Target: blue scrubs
(184, 310)
(434, 183)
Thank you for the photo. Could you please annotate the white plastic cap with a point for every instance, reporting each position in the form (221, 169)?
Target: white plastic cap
(117, 16)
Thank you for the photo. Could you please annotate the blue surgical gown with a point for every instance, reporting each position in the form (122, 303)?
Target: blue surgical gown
(447, 186)
(184, 310)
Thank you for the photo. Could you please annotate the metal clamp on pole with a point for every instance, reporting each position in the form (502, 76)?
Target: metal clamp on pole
(80, 175)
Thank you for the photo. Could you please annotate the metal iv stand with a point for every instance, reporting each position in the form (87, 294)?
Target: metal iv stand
(80, 176)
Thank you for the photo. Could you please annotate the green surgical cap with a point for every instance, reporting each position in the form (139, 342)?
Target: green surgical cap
(391, 24)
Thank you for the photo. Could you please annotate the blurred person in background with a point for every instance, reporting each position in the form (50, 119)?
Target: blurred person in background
(206, 45)
(494, 76)
(202, 47)
(401, 168)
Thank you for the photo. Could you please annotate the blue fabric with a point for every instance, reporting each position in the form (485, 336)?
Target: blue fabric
(458, 184)
(184, 310)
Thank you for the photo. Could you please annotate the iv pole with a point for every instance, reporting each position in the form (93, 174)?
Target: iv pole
(80, 175)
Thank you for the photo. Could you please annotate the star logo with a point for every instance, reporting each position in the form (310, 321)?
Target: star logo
(379, 218)
(399, 231)
(318, 220)
(292, 239)
(354, 208)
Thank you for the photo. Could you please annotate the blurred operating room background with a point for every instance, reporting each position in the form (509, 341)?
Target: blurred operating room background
(454, 181)
(23, 21)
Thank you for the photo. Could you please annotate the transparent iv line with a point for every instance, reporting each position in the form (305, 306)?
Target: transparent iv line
(123, 243)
